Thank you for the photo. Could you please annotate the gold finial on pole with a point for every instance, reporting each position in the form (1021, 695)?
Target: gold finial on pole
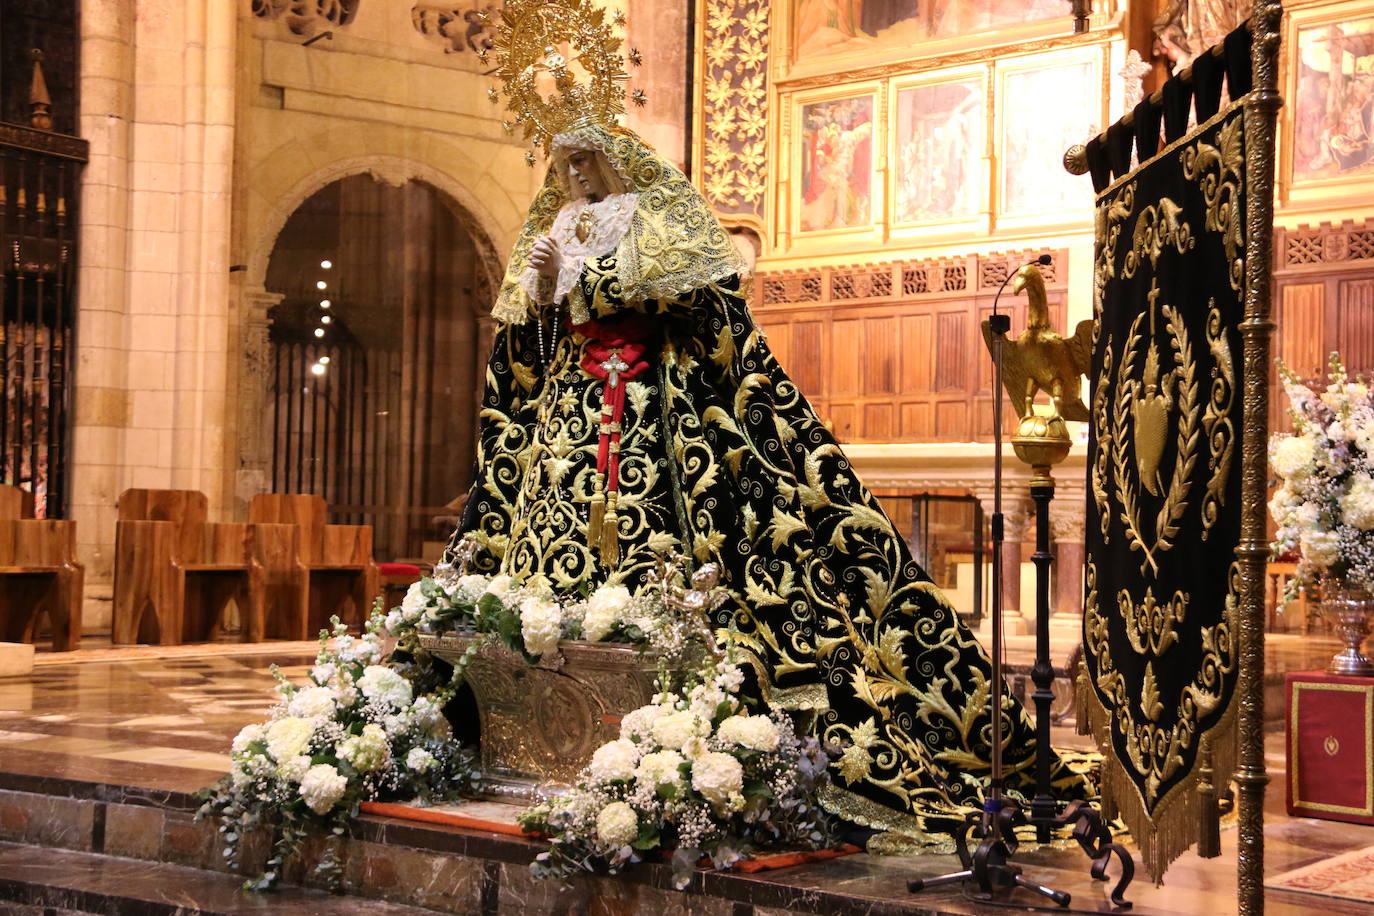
(40, 102)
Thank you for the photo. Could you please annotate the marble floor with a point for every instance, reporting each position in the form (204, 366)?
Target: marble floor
(163, 721)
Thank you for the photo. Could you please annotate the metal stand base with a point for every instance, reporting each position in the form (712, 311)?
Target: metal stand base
(990, 865)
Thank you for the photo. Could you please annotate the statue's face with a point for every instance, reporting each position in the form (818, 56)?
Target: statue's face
(584, 170)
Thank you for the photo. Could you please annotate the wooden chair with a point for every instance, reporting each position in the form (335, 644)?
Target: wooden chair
(175, 572)
(326, 570)
(38, 572)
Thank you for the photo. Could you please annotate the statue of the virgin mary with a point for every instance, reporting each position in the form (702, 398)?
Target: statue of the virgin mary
(632, 406)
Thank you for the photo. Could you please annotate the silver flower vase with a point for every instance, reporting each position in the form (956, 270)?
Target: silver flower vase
(1350, 610)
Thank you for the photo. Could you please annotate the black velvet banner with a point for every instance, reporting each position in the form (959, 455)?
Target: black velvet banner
(1160, 631)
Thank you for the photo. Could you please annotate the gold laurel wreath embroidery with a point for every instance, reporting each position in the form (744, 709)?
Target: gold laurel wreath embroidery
(1176, 501)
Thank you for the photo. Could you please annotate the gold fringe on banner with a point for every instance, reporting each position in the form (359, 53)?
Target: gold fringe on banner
(1166, 833)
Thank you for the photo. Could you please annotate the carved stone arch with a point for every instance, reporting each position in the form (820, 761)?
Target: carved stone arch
(482, 227)
(476, 217)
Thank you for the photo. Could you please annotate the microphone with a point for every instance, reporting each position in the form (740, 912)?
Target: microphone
(1002, 323)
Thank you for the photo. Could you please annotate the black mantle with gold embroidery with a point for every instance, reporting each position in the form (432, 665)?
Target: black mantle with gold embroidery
(722, 456)
(1160, 626)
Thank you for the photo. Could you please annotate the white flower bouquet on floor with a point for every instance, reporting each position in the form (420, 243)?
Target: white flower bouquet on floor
(359, 730)
(695, 774)
(1324, 504)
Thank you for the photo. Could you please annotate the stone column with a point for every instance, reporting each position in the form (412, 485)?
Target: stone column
(1016, 515)
(1067, 518)
(100, 398)
(253, 474)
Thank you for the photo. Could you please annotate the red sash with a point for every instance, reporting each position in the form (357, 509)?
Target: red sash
(615, 354)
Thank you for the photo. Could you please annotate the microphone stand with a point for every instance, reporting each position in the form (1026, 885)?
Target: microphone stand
(995, 826)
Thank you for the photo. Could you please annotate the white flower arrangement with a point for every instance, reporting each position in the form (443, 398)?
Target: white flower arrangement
(528, 619)
(357, 731)
(694, 773)
(1324, 504)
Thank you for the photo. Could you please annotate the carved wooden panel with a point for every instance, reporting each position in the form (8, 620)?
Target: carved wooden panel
(1324, 295)
(893, 352)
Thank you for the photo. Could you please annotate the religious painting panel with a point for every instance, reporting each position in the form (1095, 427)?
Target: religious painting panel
(939, 144)
(1330, 87)
(851, 28)
(1045, 105)
(835, 163)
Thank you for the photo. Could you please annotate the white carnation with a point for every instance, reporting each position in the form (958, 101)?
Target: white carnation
(614, 760)
(719, 778)
(246, 736)
(368, 751)
(617, 824)
(1293, 457)
(294, 770)
(393, 621)
(1320, 548)
(758, 733)
(1357, 506)
(413, 604)
(289, 737)
(541, 625)
(322, 788)
(471, 587)
(660, 768)
(640, 722)
(383, 685)
(312, 702)
(605, 608)
(677, 728)
(419, 759)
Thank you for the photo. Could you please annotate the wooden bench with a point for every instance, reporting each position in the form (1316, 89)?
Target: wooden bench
(175, 572)
(40, 573)
(321, 571)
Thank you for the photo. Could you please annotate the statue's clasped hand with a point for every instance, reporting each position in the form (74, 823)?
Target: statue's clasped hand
(545, 258)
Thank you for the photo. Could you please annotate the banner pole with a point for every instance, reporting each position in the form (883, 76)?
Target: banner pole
(1261, 111)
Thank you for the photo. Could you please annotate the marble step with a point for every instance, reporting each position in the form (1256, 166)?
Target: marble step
(47, 879)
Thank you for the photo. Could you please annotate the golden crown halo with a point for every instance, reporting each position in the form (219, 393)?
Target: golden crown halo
(570, 47)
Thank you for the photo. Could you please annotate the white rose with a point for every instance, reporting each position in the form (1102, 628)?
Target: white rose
(605, 609)
(1320, 548)
(289, 737)
(617, 824)
(1357, 506)
(677, 728)
(541, 625)
(757, 733)
(660, 768)
(246, 736)
(718, 777)
(383, 685)
(413, 604)
(614, 760)
(1293, 457)
(640, 722)
(312, 703)
(419, 759)
(503, 587)
(322, 788)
